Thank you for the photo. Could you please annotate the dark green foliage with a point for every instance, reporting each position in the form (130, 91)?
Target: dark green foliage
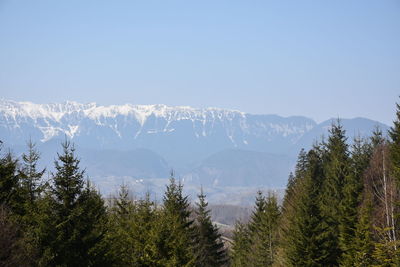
(258, 213)
(13, 250)
(209, 249)
(305, 240)
(32, 188)
(394, 134)
(68, 180)
(363, 242)
(175, 203)
(174, 230)
(241, 245)
(377, 138)
(264, 233)
(77, 216)
(352, 198)
(144, 224)
(119, 239)
(340, 208)
(91, 226)
(385, 253)
(336, 175)
(10, 191)
(30, 177)
(256, 244)
(130, 238)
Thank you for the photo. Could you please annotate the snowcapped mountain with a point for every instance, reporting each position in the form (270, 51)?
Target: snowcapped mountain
(210, 145)
(158, 127)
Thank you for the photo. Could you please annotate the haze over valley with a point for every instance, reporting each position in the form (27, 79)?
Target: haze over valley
(228, 152)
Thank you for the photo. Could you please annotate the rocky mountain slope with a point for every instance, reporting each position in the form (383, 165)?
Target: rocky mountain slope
(210, 146)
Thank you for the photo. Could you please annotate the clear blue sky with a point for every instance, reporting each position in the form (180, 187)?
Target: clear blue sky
(320, 59)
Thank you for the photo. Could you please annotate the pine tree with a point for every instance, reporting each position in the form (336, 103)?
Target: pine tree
(264, 231)
(143, 229)
(305, 240)
(241, 246)
(394, 134)
(289, 208)
(209, 249)
(293, 182)
(78, 216)
(377, 138)
(10, 191)
(293, 186)
(385, 254)
(43, 237)
(336, 172)
(130, 238)
(68, 179)
(363, 242)
(394, 148)
(30, 177)
(12, 247)
(258, 213)
(91, 227)
(174, 231)
(352, 198)
(31, 188)
(119, 239)
(175, 203)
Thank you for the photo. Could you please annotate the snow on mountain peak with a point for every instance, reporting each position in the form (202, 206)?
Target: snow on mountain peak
(68, 118)
(57, 110)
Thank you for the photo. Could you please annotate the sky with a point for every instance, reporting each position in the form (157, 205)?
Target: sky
(319, 59)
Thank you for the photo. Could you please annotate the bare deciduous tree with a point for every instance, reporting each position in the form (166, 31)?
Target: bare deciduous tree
(382, 186)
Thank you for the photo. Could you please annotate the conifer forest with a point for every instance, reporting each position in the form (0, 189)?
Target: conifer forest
(341, 208)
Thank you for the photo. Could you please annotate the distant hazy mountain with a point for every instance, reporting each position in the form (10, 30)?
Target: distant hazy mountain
(236, 167)
(211, 146)
(177, 133)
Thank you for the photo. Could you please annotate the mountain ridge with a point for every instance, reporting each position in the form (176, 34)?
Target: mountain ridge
(149, 126)
(207, 146)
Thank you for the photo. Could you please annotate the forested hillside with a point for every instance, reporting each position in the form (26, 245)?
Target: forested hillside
(341, 208)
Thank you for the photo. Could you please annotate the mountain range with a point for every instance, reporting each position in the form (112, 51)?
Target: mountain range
(209, 146)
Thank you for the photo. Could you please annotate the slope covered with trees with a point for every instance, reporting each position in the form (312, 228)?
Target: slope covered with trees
(341, 208)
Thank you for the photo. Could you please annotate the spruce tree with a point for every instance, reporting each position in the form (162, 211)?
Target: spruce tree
(132, 226)
(289, 207)
(12, 245)
(174, 230)
(305, 240)
(142, 232)
(352, 198)
(119, 239)
(293, 184)
(377, 138)
(10, 191)
(258, 213)
(264, 232)
(30, 176)
(32, 189)
(394, 148)
(363, 242)
(209, 249)
(336, 172)
(78, 215)
(240, 250)
(394, 134)
(91, 227)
